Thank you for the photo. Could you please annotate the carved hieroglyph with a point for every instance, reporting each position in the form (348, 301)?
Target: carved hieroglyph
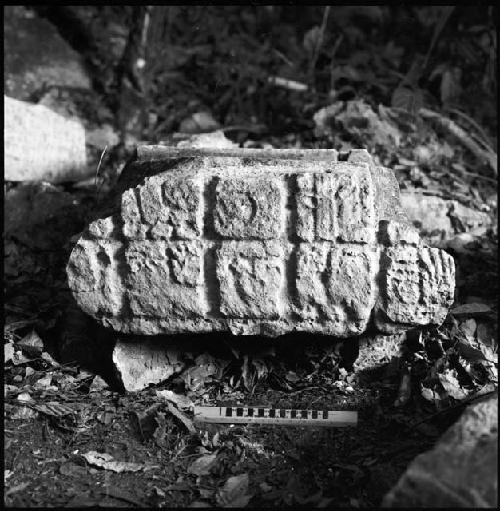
(258, 243)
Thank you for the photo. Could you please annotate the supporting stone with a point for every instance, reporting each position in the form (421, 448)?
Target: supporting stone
(140, 364)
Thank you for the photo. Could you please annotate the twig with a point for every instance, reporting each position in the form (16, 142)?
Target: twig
(338, 42)
(489, 156)
(319, 44)
(404, 391)
(437, 31)
(283, 57)
(97, 173)
(479, 176)
(287, 84)
(485, 140)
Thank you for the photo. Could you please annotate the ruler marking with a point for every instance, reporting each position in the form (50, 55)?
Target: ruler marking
(278, 416)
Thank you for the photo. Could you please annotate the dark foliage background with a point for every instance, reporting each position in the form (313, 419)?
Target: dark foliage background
(226, 58)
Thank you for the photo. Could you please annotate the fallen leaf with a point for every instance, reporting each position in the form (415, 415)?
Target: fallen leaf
(22, 413)
(470, 353)
(84, 500)
(161, 431)
(199, 122)
(44, 383)
(202, 466)
(54, 409)
(146, 421)
(206, 493)
(49, 359)
(9, 389)
(24, 397)
(484, 334)
(468, 328)
(181, 401)
(206, 366)
(233, 493)
(450, 383)
(16, 489)
(120, 494)
(429, 394)
(183, 486)
(106, 461)
(265, 487)
(188, 423)
(31, 344)
(19, 358)
(98, 384)
(215, 439)
(72, 470)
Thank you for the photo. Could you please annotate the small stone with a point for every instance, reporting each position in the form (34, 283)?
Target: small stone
(141, 364)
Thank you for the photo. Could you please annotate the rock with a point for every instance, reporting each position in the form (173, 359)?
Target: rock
(140, 364)
(199, 122)
(438, 219)
(258, 243)
(87, 108)
(36, 56)
(357, 118)
(213, 140)
(41, 145)
(461, 471)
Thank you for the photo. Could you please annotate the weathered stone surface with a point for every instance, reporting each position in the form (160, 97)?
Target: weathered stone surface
(36, 56)
(258, 243)
(41, 145)
(437, 218)
(462, 469)
(140, 364)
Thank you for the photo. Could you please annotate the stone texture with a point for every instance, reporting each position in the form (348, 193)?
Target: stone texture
(336, 285)
(41, 145)
(250, 276)
(36, 56)
(461, 471)
(437, 218)
(248, 208)
(139, 364)
(258, 243)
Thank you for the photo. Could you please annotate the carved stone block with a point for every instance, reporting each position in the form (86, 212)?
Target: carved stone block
(258, 243)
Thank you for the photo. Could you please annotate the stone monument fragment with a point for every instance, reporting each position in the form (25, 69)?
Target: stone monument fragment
(258, 242)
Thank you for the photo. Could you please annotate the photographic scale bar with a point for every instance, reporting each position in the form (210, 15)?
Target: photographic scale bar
(278, 416)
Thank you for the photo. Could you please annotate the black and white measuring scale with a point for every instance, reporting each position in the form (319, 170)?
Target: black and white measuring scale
(278, 416)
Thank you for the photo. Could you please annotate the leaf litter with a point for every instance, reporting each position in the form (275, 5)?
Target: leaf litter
(107, 462)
